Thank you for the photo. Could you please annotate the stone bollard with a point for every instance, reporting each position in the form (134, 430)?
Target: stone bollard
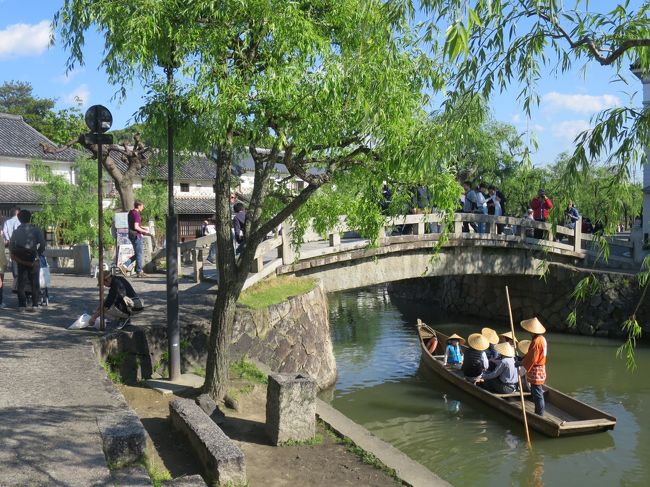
(290, 408)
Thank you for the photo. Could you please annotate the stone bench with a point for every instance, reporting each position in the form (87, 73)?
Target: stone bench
(222, 460)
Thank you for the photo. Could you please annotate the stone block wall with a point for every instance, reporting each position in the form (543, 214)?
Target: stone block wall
(548, 298)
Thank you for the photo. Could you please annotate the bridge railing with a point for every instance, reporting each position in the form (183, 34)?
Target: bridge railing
(485, 230)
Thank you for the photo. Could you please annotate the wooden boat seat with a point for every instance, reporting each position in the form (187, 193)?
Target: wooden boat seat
(512, 394)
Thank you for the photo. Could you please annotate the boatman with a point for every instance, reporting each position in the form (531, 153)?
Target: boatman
(535, 362)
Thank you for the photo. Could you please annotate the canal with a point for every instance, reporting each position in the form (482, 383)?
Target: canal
(381, 386)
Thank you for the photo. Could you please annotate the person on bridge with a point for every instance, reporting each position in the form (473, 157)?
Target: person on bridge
(503, 379)
(535, 362)
(453, 353)
(541, 205)
(476, 362)
(239, 226)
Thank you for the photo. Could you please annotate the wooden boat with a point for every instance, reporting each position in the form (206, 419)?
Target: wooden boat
(563, 416)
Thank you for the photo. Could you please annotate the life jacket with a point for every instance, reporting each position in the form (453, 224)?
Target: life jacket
(453, 356)
(473, 365)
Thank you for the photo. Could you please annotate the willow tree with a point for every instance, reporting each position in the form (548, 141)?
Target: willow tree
(326, 88)
(495, 44)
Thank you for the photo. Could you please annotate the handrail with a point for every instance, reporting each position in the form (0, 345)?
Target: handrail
(421, 227)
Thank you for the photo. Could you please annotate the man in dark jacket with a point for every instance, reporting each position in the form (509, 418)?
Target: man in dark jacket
(121, 300)
(26, 245)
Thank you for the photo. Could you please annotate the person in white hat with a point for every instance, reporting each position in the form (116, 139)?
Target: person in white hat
(475, 362)
(503, 379)
(535, 362)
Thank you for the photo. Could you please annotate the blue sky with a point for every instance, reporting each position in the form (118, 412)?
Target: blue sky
(568, 102)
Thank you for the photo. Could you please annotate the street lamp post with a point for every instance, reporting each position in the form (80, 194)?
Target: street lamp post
(99, 120)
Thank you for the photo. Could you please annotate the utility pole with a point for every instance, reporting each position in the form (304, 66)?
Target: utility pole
(173, 329)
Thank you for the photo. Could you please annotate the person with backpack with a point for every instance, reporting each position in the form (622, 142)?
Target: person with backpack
(121, 302)
(26, 246)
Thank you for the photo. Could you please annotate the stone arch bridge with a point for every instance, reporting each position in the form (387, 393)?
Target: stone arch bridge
(414, 246)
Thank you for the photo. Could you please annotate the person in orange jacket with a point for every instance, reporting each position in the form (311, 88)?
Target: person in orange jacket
(535, 362)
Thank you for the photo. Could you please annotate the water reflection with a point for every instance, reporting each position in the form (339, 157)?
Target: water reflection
(382, 386)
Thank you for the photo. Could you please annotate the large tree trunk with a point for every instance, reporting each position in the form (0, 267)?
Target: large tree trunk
(231, 281)
(127, 195)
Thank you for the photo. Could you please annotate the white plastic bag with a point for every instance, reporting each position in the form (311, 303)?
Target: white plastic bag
(82, 322)
(44, 277)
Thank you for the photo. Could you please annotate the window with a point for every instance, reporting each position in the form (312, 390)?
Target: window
(185, 187)
(30, 173)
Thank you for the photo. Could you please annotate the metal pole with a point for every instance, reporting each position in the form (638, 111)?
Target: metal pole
(173, 330)
(100, 216)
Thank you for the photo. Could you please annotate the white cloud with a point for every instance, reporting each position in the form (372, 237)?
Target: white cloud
(80, 95)
(24, 39)
(587, 104)
(569, 129)
(516, 118)
(66, 78)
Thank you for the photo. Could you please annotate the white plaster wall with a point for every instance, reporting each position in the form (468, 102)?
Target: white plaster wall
(15, 170)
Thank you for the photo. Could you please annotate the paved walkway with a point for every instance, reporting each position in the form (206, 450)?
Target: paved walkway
(52, 388)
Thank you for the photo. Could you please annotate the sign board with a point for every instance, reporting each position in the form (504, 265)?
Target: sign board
(124, 249)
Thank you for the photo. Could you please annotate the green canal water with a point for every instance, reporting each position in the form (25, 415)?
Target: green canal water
(382, 386)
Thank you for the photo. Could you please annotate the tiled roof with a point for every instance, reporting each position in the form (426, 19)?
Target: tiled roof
(190, 206)
(19, 194)
(18, 139)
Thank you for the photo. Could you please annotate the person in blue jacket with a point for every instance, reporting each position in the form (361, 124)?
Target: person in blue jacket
(453, 352)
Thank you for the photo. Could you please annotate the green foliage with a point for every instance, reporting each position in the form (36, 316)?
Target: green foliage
(275, 291)
(244, 369)
(59, 126)
(112, 366)
(70, 210)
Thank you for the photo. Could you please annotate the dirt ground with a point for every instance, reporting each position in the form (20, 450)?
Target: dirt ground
(326, 464)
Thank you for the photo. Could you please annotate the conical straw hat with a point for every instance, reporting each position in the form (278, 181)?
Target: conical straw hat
(456, 337)
(507, 335)
(523, 346)
(533, 326)
(478, 342)
(491, 335)
(505, 349)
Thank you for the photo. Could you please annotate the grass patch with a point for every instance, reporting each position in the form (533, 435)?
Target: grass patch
(243, 369)
(317, 439)
(112, 366)
(363, 455)
(274, 291)
(157, 473)
(200, 371)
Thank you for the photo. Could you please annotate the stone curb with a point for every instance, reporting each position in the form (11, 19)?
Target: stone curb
(123, 437)
(408, 471)
(189, 481)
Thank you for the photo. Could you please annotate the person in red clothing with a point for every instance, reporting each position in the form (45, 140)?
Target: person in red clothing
(535, 362)
(541, 204)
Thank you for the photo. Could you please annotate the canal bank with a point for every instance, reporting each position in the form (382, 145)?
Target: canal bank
(381, 386)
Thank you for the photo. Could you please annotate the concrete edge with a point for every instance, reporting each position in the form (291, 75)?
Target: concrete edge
(408, 471)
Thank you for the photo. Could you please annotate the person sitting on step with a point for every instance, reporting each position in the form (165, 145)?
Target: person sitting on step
(121, 301)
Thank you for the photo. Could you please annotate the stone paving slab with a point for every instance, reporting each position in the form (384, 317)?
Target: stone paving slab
(52, 388)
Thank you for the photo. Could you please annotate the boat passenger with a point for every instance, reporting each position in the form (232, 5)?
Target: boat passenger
(493, 338)
(503, 380)
(476, 361)
(453, 353)
(535, 362)
(507, 337)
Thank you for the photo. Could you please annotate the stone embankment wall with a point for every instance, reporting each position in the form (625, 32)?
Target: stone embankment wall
(293, 336)
(548, 298)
